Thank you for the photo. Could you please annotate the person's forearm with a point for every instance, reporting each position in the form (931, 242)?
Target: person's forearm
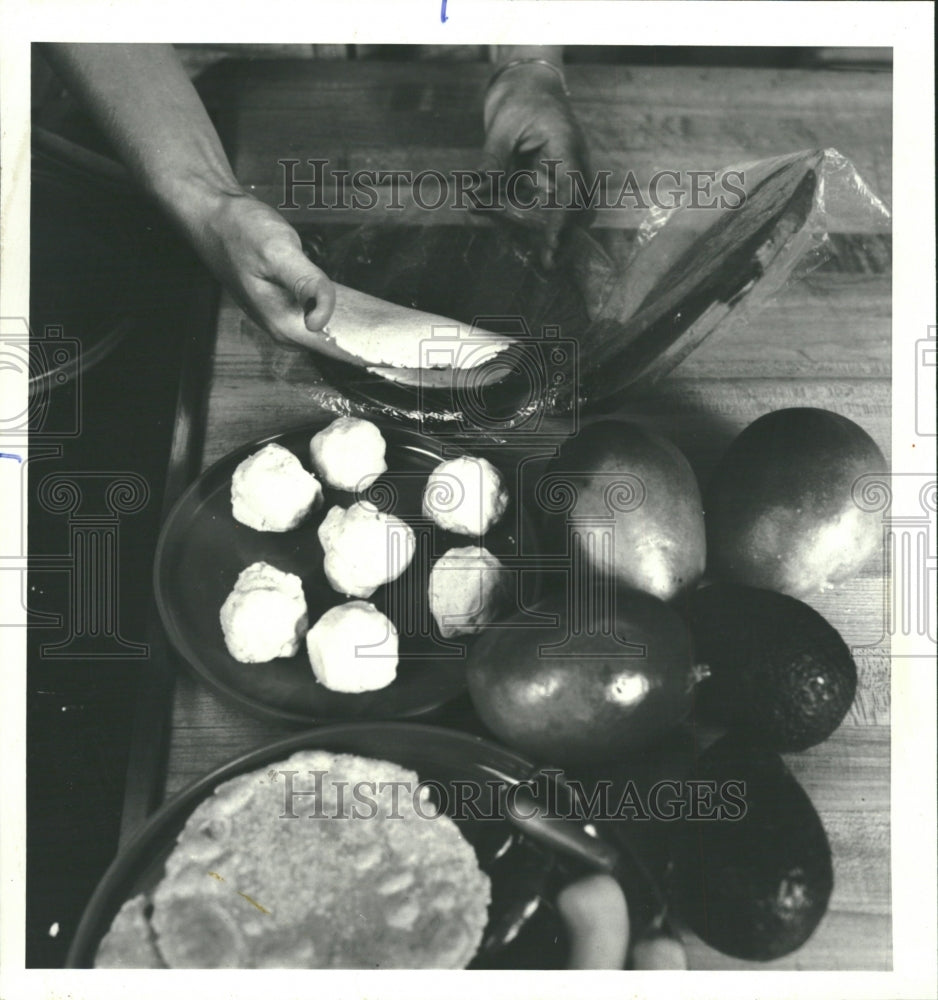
(520, 70)
(146, 105)
(509, 53)
(520, 65)
(141, 98)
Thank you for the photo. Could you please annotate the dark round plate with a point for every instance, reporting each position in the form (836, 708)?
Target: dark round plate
(202, 549)
(518, 867)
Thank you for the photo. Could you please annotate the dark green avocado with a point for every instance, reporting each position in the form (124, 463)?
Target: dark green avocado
(755, 887)
(780, 673)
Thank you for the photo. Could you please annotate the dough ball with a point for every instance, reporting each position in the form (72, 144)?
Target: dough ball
(264, 617)
(349, 453)
(271, 491)
(365, 548)
(353, 648)
(465, 495)
(468, 589)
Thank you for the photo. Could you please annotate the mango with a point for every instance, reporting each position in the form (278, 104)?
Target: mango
(635, 511)
(584, 688)
(784, 510)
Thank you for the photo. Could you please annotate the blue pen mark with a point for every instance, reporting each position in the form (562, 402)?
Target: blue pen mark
(443, 17)
(5, 454)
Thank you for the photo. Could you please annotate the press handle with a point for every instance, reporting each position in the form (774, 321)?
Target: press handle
(563, 834)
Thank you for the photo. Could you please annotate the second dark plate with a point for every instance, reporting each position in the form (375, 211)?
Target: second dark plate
(521, 933)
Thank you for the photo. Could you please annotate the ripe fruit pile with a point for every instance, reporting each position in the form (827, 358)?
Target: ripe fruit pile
(630, 642)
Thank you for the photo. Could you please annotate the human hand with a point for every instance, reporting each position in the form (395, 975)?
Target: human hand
(530, 126)
(145, 103)
(257, 255)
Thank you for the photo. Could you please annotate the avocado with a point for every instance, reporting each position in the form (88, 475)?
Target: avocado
(580, 690)
(755, 887)
(785, 510)
(780, 673)
(635, 509)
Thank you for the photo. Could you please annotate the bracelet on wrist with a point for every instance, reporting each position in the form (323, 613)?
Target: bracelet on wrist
(511, 64)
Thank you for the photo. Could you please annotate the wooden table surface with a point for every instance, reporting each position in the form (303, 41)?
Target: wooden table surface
(825, 342)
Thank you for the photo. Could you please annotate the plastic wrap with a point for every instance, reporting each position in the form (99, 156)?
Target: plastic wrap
(619, 309)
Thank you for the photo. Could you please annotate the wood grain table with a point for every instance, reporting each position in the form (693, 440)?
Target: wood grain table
(824, 342)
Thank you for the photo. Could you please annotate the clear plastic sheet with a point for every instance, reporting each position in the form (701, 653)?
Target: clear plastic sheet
(620, 308)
